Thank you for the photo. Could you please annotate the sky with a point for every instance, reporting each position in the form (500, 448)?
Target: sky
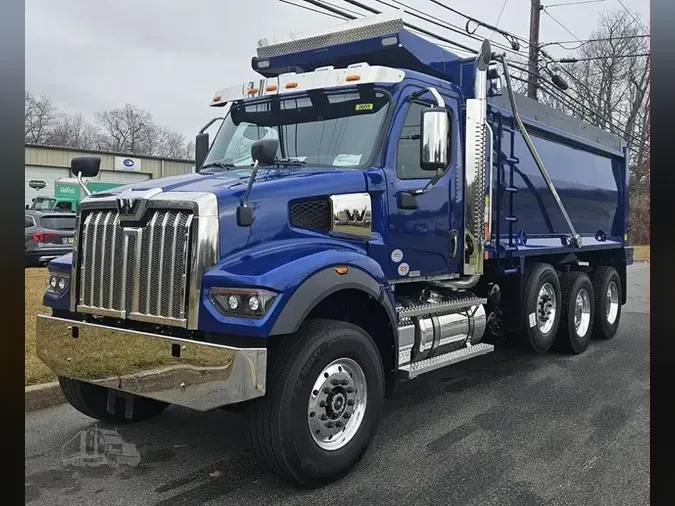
(170, 56)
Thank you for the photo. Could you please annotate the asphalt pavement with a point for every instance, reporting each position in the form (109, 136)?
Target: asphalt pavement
(508, 428)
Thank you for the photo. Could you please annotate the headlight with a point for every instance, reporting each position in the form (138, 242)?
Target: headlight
(243, 302)
(57, 282)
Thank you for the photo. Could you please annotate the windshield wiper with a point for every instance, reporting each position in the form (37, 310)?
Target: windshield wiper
(290, 162)
(218, 163)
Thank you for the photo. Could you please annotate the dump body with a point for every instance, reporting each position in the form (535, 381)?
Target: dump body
(588, 167)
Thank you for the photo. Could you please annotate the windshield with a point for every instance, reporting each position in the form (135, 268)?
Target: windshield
(43, 204)
(321, 130)
(58, 222)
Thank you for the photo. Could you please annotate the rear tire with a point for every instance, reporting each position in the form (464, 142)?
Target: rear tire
(541, 307)
(316, 376)
(578, 312)
(607, 288)
(92, 400)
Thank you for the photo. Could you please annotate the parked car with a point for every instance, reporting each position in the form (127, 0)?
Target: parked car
(48, 235)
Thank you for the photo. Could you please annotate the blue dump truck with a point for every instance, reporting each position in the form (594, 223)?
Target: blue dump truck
(371, 209)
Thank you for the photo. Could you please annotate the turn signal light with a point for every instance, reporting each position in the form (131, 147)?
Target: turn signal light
(291, 85)
(353, 77)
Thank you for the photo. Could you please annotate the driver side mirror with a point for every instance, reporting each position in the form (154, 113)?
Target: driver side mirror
(201, 149)
(85, 166)
(434, 135)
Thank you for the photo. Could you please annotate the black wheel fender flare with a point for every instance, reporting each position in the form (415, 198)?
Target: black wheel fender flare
(322, 284)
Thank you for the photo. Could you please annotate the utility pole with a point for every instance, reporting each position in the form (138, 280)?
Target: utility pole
(533, 64)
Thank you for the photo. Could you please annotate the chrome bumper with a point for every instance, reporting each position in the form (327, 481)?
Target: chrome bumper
(196, 375)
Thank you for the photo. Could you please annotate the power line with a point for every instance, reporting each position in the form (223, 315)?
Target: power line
(312, 10)
(587, 41)
(499, 18)
(560, 24)
(443, 24)
(576, 3)
(471, 50)
(575, 60)
(631, 15)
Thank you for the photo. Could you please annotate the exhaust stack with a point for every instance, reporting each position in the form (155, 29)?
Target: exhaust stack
(474, 167)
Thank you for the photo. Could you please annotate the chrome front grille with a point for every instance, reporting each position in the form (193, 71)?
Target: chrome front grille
(135, 271)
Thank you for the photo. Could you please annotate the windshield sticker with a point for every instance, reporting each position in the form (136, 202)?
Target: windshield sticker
(346, 160)
(364, 107)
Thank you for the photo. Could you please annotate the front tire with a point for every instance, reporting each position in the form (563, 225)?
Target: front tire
(92, 400)
(323, 403)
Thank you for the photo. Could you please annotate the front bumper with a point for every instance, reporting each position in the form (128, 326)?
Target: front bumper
(196, 375)
(46, 254)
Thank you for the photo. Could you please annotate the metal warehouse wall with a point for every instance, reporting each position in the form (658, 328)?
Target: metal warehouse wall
(59, 157)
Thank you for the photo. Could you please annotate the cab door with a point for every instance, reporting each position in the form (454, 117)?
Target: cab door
(422, 229)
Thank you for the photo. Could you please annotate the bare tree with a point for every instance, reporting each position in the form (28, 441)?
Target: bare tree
(126, 129)
(41, 114)
(72, 131)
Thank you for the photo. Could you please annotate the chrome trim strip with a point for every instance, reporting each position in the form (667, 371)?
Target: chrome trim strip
(112, 263)
(161, 266)
(125, 267)
(151, 241)
(173, 262)
(196, 375)
(103, 258)
(101, 311)
(149, 318)
(73, 265)
(135, 295)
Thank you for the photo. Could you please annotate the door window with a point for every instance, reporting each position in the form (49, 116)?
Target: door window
(408, 158)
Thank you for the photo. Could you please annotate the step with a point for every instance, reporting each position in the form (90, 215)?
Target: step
(435, 309)
(410, 371)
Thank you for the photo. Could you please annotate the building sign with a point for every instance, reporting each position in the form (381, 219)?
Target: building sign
(36, 185)
(128, 164)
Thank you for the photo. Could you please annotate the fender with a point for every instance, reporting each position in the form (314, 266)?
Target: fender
(322, 284)
(302, 273)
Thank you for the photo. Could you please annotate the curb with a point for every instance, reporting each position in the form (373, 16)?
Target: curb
(43, 396)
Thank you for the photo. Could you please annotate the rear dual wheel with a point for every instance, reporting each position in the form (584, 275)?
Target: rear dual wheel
(578, 312)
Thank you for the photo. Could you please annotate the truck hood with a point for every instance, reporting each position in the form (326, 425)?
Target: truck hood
(293, 182)
(270, 195)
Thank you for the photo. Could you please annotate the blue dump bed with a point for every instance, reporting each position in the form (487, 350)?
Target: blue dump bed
(588, 166)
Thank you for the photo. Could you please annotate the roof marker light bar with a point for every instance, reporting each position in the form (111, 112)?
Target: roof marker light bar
(321, 78)
(359, 29)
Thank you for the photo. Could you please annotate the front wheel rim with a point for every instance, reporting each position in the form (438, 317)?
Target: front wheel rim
(582, 312)
(337, 404)
(612, 309)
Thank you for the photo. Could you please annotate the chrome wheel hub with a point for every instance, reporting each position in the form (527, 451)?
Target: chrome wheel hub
(546, 308)
(582, 312)
(612, 306)
(337, 404)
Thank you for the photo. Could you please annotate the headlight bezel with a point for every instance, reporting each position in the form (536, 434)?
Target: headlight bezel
(57, 278)
(219, 297)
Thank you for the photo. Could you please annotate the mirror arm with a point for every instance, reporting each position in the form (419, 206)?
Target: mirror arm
(432, 182)
(82, 185)
(437, 96)
(209, 124)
